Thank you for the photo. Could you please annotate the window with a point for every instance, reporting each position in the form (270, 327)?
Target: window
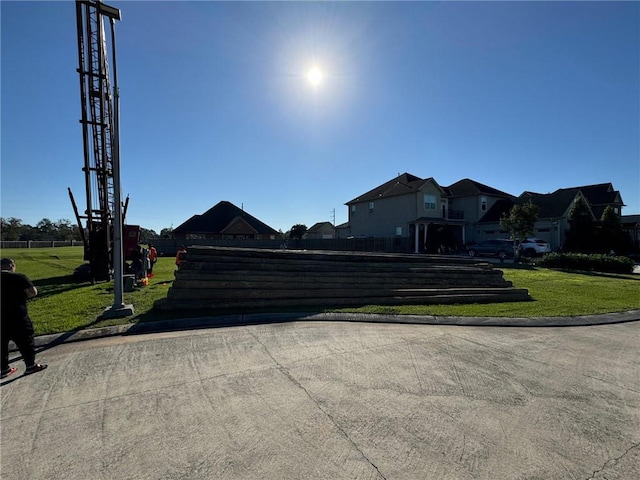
(399, 231)
(371, 205)
(353, 208)
(429, 202)
(483, 204)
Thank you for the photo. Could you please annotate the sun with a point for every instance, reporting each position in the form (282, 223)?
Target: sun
(315, 76)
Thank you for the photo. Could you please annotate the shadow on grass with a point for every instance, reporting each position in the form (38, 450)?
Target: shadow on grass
(54, 285)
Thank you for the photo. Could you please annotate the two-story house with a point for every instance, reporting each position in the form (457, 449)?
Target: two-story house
(553, 211)
(435, 218)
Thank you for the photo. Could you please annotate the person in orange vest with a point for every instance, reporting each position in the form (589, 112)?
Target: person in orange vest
(153, 258)
(180, 261)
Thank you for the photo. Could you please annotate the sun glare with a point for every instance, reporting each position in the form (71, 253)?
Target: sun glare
(315, 76)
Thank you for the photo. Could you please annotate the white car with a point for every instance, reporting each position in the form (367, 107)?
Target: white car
(532, 247)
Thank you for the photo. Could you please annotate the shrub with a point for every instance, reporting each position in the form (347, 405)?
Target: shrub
(581, 261)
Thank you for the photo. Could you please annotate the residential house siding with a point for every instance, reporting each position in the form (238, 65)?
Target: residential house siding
(382, 217)
(466, 211)
(554, 210)
(432, 216)
(321, 230)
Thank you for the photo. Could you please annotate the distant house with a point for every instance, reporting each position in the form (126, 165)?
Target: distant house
(343, 230)
(438, 218)
(553, 210)
(224, 221)
(631, 225)
(432, 216)
(322, 230)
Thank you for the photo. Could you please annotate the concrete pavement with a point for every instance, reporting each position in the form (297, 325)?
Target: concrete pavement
(318, 399)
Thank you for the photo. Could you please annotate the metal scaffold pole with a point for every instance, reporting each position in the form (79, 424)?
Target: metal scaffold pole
(101, 140)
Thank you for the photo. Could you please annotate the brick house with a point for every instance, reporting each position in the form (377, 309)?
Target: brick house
(224, 221)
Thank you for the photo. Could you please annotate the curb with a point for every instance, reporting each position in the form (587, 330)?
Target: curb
(261, 318)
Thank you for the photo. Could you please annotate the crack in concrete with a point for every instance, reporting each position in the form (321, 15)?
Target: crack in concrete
(547, 364)
(293, 380)
(613, 461)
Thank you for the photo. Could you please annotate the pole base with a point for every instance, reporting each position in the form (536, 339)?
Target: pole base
(118, 311)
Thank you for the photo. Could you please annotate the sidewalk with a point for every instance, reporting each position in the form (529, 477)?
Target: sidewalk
(361, 398)
(261, 318)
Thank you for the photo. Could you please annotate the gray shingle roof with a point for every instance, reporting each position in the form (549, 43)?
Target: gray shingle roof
(316, 227)
(467, 187)
(557, 204)
(400, 185)
(218, 217)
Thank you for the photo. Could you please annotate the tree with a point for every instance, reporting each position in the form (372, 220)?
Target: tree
(582, 227)
(298, 231)
(11, 228)
(611, 236)
(146, 234)
(46, 229)
(65, 230)
(166, 232)
(520, 222)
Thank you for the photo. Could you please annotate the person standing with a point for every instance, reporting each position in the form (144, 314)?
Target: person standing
(153, 258)
(180, 256)
(137, 262)
(16, 324)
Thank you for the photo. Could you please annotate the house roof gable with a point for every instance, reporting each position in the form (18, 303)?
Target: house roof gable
(558, 203)
(239, 226)
(467, 187)
(317, 227)
(400, 185)
(219, 217)
(496, 211)
(432, 181)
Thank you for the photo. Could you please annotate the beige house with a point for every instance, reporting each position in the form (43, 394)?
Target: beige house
(435, 218)
(441, 219)
(322, 230)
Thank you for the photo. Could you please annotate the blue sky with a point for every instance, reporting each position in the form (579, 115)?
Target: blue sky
(215, 104)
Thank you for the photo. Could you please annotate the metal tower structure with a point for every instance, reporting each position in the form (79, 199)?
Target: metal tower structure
(99, 134)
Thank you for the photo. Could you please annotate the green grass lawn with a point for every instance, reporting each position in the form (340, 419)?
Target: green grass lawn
(63, 305)
(553, 293)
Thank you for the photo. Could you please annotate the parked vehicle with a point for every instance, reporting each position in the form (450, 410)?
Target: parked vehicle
(533, 247)
(495, 247)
